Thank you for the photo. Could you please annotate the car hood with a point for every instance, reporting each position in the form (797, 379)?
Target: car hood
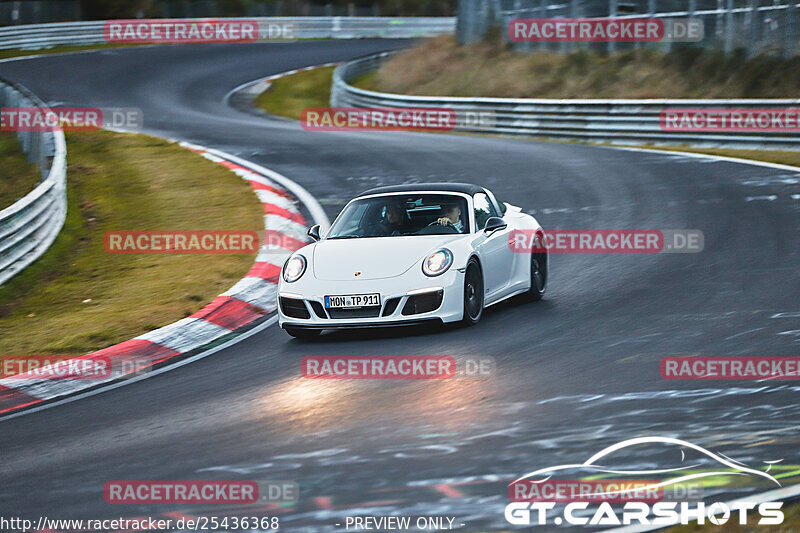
(374, 258)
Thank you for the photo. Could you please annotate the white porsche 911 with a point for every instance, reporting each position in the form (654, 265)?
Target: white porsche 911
(407, 254)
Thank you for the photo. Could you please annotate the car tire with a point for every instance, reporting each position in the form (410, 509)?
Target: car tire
(473, 293)
(302, 333)
(539, 274)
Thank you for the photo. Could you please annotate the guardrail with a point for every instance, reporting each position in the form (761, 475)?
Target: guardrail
(29, 226)
(613, 121)
(36, 36)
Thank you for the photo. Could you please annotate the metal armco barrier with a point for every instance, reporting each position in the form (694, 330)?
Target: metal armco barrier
(35, 36)
(29, 226)
(612, 121)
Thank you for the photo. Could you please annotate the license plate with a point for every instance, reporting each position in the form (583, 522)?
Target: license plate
(353, 300)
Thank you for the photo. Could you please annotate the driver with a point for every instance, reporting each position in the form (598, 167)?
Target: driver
(451, 215)
(391, 222)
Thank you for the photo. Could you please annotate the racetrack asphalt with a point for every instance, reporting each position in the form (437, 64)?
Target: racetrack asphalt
(574, 373)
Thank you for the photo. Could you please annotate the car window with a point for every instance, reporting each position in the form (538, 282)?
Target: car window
(402, 215)
(483, 210)
(351, 218)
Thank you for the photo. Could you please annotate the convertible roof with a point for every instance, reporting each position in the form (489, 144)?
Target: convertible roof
(466, 188)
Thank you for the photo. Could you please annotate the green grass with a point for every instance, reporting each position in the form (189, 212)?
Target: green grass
(15, 52)
(440, 67)
(125, 182)
(288, 96)
(18, 177)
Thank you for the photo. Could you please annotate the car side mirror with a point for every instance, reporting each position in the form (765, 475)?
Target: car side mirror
(494, 223)
(313, 232)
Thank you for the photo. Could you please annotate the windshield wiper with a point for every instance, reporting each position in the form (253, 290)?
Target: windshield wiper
(344, 237)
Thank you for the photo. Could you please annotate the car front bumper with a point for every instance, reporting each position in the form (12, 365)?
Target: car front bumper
(407, 299)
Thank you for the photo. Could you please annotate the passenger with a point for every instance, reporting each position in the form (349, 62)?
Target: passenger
(391, 223)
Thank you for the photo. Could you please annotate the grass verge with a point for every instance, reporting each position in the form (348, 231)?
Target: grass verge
(288, 96)
(770, 156)
(77, 298)
(18, 177)
(440, 67)
(16, 52)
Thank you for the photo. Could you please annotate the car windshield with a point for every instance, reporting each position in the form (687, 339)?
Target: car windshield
(400, 215)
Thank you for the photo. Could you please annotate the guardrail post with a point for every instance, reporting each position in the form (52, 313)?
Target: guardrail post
(729, 31)
(790, 30)
(542, 15)
(13, 101)
(573, 14)
(755, 29)
(612, 12)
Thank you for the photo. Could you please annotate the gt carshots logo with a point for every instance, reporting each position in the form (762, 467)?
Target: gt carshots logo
(661, 513)
(645, 501)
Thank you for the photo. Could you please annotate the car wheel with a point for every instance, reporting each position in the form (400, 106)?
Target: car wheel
(302, 333)
(538, 274)
(473, 294)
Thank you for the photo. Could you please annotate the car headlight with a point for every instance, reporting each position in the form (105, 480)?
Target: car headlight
(294, 268)
(438, 262)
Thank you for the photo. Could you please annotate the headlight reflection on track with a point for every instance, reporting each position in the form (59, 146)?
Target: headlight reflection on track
(328, 404)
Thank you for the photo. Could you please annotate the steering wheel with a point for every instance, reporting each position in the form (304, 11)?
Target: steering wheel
(449, 226)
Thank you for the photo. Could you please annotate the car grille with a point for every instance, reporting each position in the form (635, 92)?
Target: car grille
(364, 312)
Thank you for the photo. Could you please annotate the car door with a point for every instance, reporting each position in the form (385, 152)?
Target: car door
(493, 249)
